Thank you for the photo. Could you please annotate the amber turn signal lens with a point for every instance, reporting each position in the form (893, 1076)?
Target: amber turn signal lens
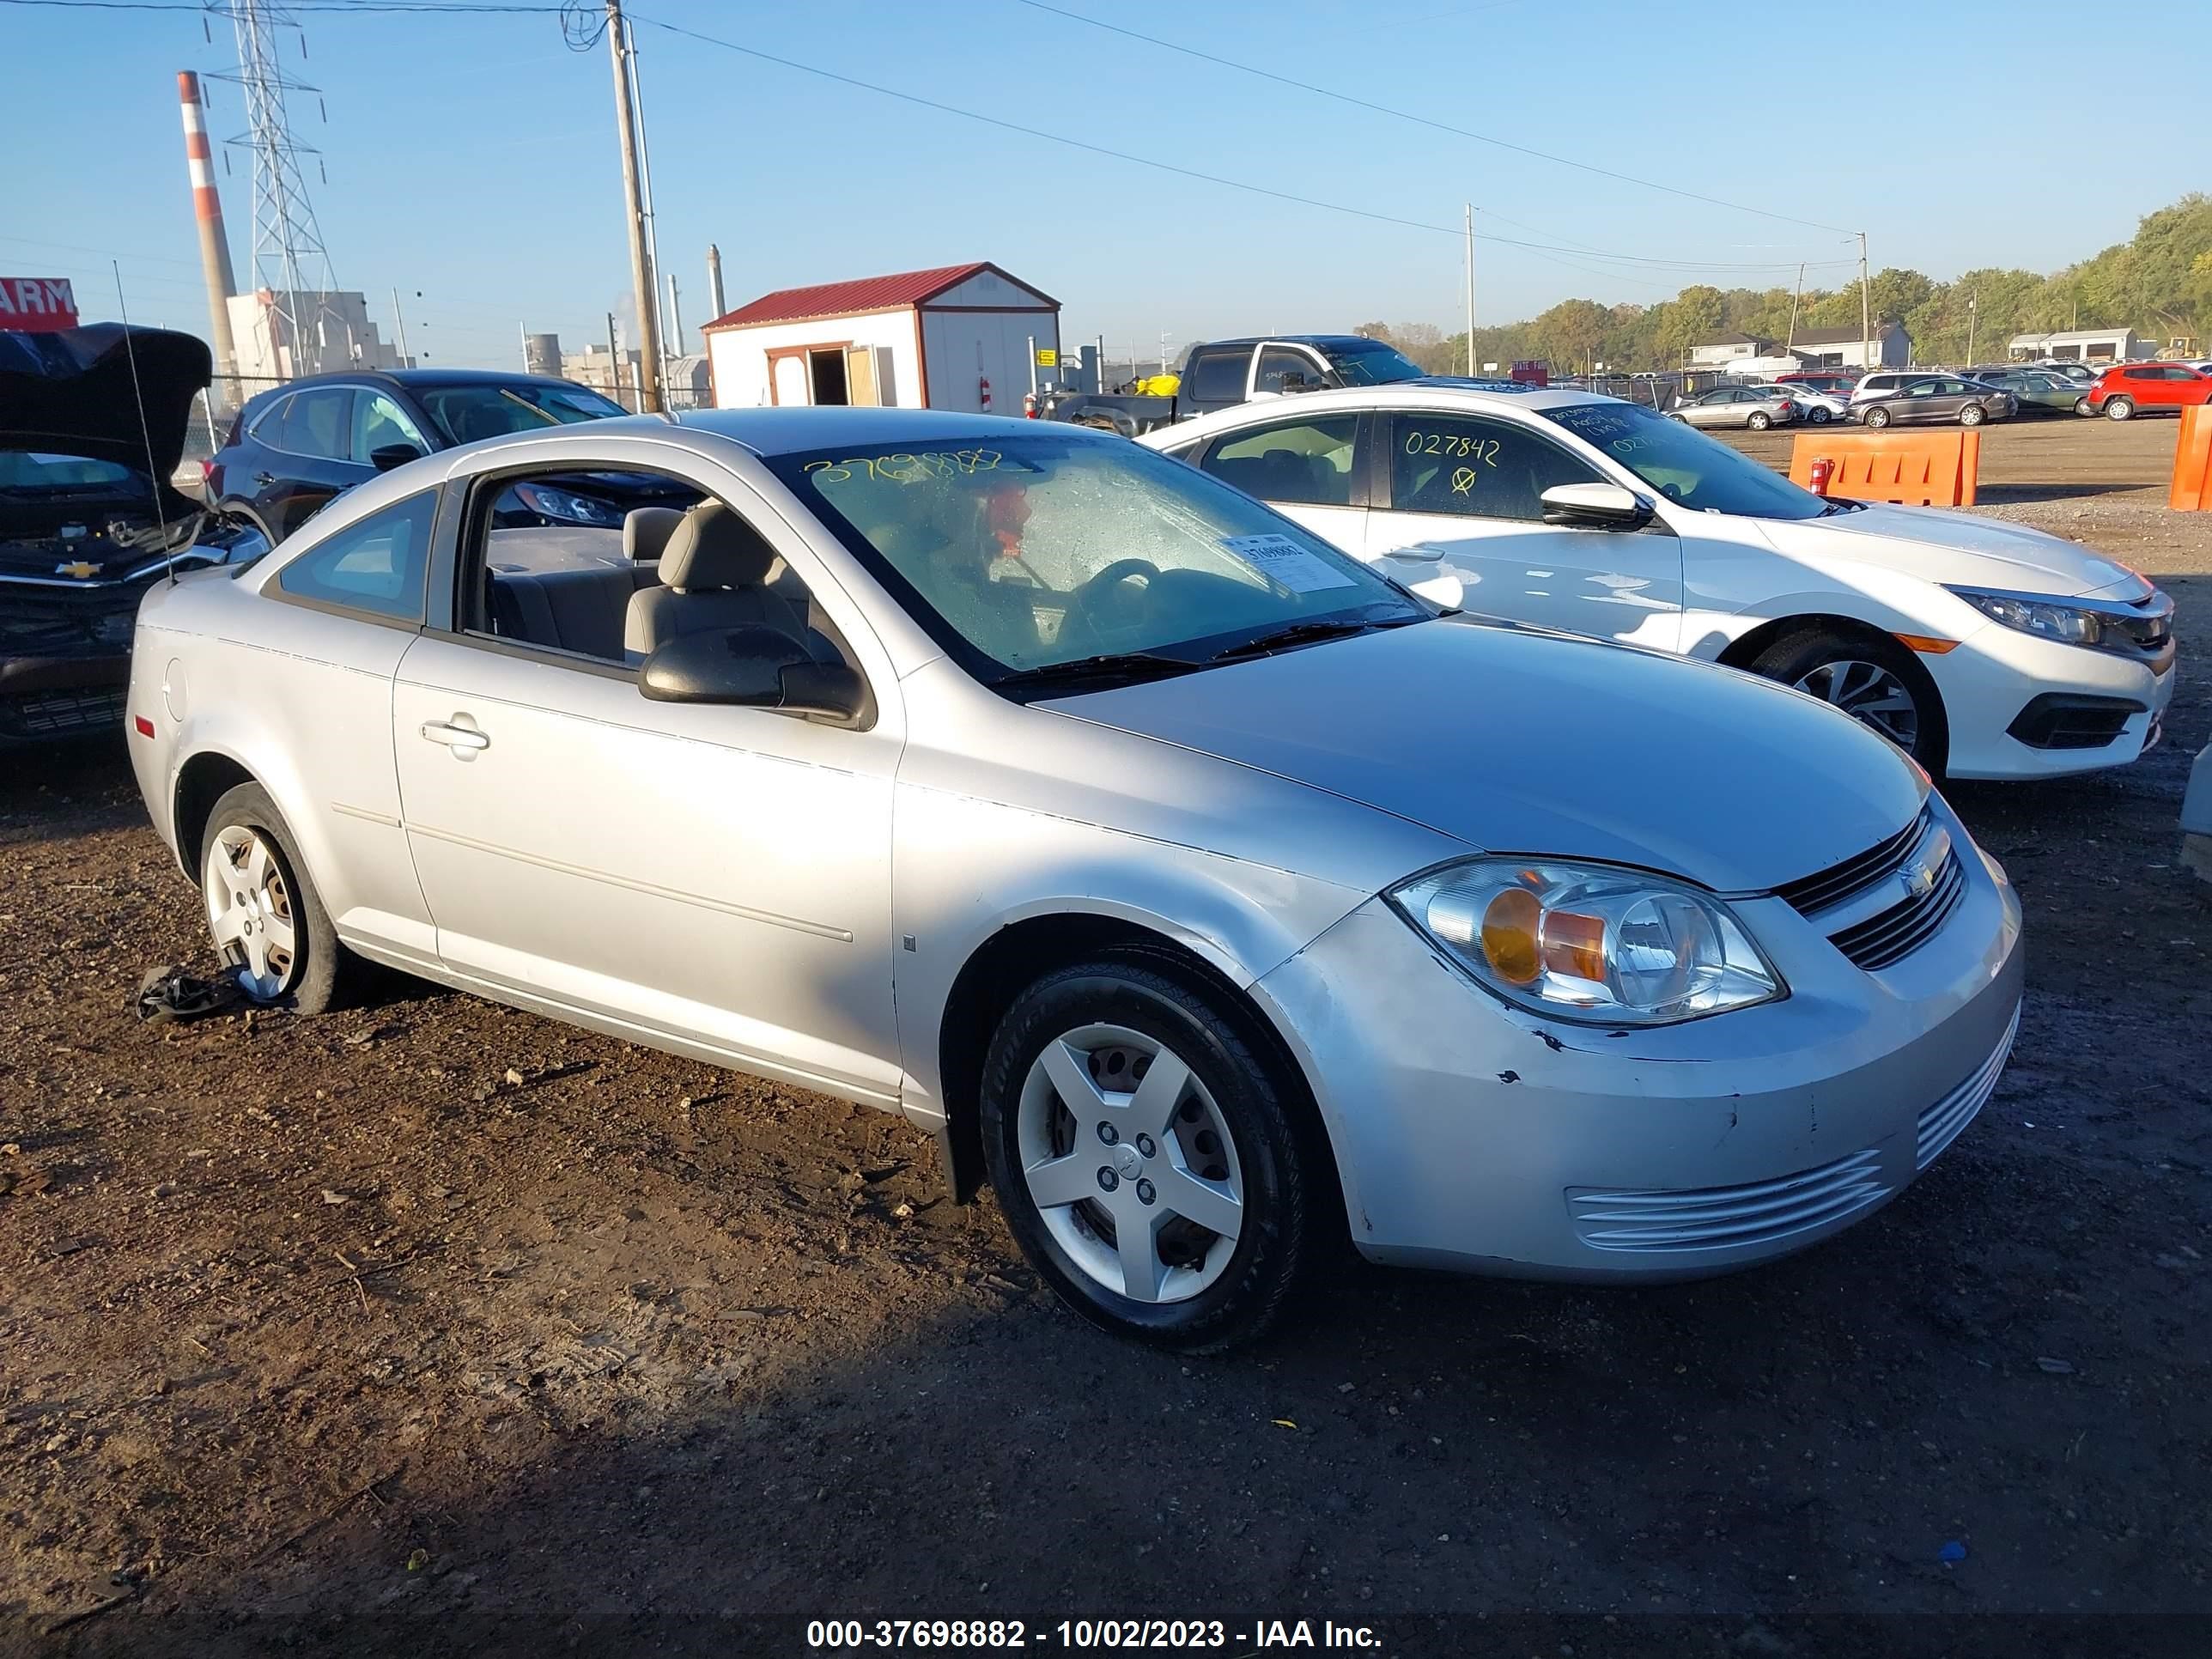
(1574, 944)
(1509, 935)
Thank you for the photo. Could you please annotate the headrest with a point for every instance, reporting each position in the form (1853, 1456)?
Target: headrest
(713, 547)
(646, 531)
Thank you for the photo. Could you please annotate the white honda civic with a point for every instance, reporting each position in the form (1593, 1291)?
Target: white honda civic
(1984, 649)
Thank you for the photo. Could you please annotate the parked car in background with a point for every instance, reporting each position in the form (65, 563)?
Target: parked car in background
(2079, 373)
(2035, 392)
(1834, 382)
(1753, 407)
(1943, 398)
(2126, 390)
(1814, 406)
(294, 448)
(1984, 649)
(92, 424)
(1883, 383)
(1221, 374)
(1119, 831)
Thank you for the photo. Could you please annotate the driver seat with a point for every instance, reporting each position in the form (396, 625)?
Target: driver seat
(714, 573)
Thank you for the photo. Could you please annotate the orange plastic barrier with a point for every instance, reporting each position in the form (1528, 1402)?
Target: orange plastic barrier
(2192, 462)
(1913, 469)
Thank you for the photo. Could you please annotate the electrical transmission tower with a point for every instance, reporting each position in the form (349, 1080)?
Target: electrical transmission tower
(290, 261)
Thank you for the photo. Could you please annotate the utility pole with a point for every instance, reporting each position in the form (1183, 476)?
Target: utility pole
(614, 362)
(675, 320)
(1866, 305)
(1467, 208)
(1970, 330)
(640, 264)
(400, 323)
(1165, 336)
(1797, 294)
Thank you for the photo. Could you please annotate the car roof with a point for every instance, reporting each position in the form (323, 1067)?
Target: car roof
(1298, 339)
(1399, 394)
(773, 430)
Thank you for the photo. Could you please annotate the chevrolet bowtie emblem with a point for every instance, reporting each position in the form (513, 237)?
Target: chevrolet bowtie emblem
(79, 571)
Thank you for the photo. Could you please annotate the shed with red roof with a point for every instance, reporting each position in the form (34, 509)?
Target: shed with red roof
(958, 336)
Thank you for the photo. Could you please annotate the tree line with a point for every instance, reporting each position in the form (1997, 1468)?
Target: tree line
(2160, 285)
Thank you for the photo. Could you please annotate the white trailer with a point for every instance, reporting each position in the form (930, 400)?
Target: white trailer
(956, 338)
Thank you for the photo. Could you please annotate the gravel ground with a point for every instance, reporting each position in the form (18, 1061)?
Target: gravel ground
(437, 1324)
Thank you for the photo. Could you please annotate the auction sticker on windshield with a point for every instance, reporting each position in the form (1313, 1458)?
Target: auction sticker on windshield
(1286, 564)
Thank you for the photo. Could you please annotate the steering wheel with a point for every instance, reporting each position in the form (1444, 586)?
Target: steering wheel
(1088, 605)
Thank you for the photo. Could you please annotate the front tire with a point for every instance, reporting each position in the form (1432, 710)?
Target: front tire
(264, 916)
(1145, 1156)
(2119, 409)
(1877, 417)
(1873, 680)
(1819, 416)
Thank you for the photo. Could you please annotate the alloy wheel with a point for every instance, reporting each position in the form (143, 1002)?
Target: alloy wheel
(1868, 693)
(250, 911)
(1130, 1163)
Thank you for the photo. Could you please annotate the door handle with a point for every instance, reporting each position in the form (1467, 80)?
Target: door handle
(1416, 553)
(264, 477)
(465, 741)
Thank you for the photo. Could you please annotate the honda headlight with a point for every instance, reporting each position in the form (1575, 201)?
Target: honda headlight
(1589, 941)
(566, 507)
(2047, 619)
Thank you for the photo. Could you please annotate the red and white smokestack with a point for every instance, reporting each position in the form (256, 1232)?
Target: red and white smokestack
(215, 242)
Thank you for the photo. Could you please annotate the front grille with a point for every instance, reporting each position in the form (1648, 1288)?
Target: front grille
(1897, 931)
(1839, 882)
(1661, 1222)
(62, 714)
(1940, 1125)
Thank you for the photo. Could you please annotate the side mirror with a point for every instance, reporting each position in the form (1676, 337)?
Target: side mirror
(1595, 506)
(388, 456)
(751, 668)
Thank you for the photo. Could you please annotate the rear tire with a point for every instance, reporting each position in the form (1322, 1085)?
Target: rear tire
(1760, 419)
(1877, 416)
(1080, 1153)
(266, 919)
(1972, 415)
(1863, 675)
(2119, 409)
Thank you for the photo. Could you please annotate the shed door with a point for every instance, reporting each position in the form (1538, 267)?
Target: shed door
(790, 380)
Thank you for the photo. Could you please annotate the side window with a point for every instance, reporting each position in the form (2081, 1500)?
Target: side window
(378, 565)
(1217, 377)
(378, 423)
(1305, 462)
(315, 423)
(268, 427)
(1277, 362)
(1476, 468)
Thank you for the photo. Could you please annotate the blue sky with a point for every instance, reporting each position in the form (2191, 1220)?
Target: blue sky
(472, 158)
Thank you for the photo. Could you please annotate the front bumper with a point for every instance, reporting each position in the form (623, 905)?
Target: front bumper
(1997, 673)
(1475, 1137)
(45, 698)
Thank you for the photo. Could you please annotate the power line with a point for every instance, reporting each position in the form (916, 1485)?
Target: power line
(1000, 122)
(1423, 120)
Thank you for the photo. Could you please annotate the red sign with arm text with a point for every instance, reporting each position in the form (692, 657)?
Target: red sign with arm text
(36, 305)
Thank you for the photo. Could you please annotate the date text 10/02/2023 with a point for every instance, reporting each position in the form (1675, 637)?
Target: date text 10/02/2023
(1088, 1633)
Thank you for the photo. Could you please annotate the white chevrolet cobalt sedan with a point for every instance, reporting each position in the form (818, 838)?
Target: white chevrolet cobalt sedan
(1984, 649)
(1214, 896)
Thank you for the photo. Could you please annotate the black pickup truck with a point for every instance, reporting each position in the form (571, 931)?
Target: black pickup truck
(1222, 373)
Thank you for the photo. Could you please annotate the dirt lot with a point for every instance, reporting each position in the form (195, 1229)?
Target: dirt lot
(437, 1324)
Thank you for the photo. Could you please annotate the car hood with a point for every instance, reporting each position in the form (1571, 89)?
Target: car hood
(1520, 740)
(71, 393)
(1957, 548)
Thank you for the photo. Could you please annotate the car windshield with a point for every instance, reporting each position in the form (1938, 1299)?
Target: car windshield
(1028, 557)
(466, 413)
(1684, 465)
(40, 472)
(1372, 362)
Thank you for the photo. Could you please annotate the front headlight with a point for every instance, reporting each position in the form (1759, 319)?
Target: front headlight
(566, 507)
(1584, 941)
(2047, 619)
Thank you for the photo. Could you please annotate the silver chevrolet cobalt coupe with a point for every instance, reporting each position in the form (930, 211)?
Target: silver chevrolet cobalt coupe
(1214, 898)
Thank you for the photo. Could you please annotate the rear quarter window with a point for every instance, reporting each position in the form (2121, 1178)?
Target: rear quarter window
(378, 567)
